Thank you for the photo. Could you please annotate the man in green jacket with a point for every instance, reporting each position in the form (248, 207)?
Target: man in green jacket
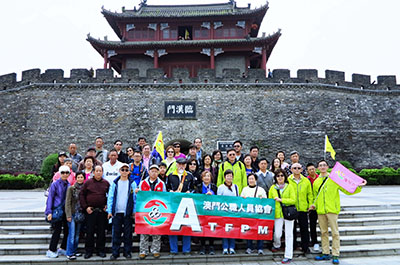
(327, 204)
(238, 168)
(304, 199)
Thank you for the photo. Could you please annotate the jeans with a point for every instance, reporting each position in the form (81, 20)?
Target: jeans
(186, 244)
(260, 244)
(55, 237)
(73, 237)
(228, 243)
(121, 224)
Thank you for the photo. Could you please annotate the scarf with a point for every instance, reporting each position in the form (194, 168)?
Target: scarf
(229, 186)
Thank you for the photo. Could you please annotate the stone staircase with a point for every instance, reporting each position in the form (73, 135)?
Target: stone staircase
(365, 231)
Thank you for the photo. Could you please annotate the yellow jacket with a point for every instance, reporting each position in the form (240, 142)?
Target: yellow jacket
(303, 191)
(288, 197)
(328, 200)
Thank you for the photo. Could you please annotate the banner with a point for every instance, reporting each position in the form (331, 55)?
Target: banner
(171, 213)
(345, 178)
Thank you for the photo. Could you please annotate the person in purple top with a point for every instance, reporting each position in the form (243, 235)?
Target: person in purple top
(56, 198)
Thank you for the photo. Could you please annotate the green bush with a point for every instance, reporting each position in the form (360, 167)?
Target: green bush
(47, 166)
(22, 181)
(346, 164)
(384, 176)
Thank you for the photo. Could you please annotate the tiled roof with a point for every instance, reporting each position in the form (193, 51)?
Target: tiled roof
(153, 11)
(103, 44)
(183, 11)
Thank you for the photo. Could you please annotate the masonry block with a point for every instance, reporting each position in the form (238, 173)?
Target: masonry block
(130, 74)
(307, 74)
(388, 80)
(51, 75)
(154, 73)
(361, 79)
(180, 73)
(32, 75)
(281, 73)
(231, 73)
(334, 76)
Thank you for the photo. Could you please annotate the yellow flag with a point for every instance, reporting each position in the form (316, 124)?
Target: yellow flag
(186, 34)
(329, 148)
(160, 145)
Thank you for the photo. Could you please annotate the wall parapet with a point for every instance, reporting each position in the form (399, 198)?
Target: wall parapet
(181, 75)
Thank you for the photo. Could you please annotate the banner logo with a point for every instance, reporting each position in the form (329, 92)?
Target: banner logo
(154, 217)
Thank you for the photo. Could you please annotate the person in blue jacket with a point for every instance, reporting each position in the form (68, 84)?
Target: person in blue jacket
(121, 208)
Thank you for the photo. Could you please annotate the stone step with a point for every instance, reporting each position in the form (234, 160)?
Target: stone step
(22, 214)
(13, 221)
(369, 213)
(366, 239)
(371, 250)
(368, 221)
(33, 229)
(371, 207)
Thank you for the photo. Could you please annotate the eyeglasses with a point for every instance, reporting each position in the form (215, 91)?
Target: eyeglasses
(280, 175)
(64, 172)
(171, 152)
(177, 146)
(236, 146)
(231, 154)
(124, 170)
(193, 164)
(297, 168)
(118, 144)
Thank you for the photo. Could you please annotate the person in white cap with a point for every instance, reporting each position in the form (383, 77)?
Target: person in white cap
(121, 208)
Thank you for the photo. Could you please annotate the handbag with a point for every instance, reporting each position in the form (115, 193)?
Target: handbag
(57, 214)
(79, 217)
(289, 211)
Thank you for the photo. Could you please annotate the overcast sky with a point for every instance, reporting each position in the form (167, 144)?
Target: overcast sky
(355, 36)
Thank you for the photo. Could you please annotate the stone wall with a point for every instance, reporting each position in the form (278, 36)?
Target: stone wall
(140, 62)
(38, 118)
(224, 61)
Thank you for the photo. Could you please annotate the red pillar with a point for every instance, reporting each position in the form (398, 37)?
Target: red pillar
(105, 59)
(212, 30)
(155, 59)
(158, 32)
(264, 59)
(212, 59)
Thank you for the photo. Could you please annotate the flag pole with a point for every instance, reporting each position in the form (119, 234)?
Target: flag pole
(325, 149)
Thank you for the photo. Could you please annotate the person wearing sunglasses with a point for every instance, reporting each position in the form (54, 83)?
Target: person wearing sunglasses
(177, 149)
(304, 199)
(282, 193)
(170, 160)
(56, 199)
(121, 208)
(238, 169)
(193, 167)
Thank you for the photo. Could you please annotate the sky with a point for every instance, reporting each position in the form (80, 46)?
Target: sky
(354, 36)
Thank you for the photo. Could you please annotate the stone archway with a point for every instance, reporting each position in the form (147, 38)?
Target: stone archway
(184, 144)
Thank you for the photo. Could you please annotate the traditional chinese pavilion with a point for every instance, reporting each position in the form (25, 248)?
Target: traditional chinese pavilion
(215, 36)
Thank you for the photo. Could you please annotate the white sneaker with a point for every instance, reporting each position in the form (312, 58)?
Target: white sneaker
(232, 251)
(316, 247)
(260, 252)
(248, 251)
(61, 252)
(51, 254)
(225, 251)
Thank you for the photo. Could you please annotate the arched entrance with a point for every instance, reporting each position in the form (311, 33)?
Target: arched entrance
(184, 144)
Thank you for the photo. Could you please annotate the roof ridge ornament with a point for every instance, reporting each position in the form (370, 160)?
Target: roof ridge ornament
(143, 3)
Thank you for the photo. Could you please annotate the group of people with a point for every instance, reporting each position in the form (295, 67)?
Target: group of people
(98, 193)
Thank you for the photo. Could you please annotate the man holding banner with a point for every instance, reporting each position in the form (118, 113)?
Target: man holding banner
(327, 203)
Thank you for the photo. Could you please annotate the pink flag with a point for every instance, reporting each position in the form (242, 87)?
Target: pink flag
(345, 178)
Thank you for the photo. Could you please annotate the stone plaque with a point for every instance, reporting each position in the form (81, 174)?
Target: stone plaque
(224, 145)
(179, 109)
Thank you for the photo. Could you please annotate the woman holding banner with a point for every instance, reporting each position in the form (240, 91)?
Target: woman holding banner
(209, 188)
(284, 195)
(228, 188)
